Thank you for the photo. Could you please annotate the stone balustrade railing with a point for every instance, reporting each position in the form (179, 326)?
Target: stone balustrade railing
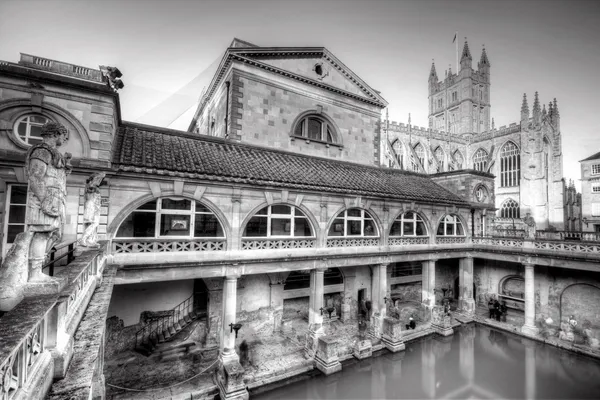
(291, 243)
(36, 337)
(408, 241)
(451, 239)
(349, 242)
(568, 235)
(167, 245)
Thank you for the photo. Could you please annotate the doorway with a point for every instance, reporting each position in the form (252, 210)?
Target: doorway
(362, 310)
(200, 297)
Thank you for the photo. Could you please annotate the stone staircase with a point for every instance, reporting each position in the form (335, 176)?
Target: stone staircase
(167, 327)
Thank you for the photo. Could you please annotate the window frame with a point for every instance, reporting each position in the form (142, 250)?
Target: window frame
(159, 211)
(347, 218)
(327, 129)
(510, 208)
(9, 193)
(595, 211)
(416, 218)
(454, 223)
(20, 119)
(595, 169)
(460, 165)
(510, 165)
(417, 148)
(595, 187)
(479, 161)
(270, 215)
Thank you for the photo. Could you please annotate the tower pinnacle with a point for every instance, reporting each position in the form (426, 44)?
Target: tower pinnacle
(536, 114)
(484, 58)
(433, 73)
(524, 110)
(465, 58)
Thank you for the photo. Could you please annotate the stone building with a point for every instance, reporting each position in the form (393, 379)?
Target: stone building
(590, 193)
(525, 157)
(273, 219)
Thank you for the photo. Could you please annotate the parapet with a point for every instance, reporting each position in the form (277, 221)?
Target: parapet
(60, 67)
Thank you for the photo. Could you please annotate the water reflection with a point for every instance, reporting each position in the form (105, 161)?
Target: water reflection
(476, 362)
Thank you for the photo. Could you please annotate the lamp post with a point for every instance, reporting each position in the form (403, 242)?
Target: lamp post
(235, 327)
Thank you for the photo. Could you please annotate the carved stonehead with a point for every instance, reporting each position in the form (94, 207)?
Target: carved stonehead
(95, 180)
(52, 128)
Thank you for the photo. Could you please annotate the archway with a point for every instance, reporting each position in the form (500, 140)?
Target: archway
(200, 297)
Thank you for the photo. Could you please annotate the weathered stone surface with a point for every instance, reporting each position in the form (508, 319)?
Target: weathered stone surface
(230, 380)
(363, 349)
(13, 272)
(392, 335)
(326, 359)
(441, 321)
(89, 340)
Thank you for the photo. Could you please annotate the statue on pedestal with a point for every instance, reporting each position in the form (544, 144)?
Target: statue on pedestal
(91, 210)
(529, 226)
(47, 171)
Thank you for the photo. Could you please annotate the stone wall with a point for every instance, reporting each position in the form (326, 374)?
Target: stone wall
(446, 272)
(406, 292)
(253, 292)
(295, 308)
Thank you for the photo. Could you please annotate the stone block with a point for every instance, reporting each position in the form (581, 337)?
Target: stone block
(326, 359)
(102, 110)
(230, 379)
(392, 335)
(441, 321)
(362, 349)
(101, 127)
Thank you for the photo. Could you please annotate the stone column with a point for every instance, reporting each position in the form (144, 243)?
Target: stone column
(215, 312)
(465, 277)
(379, 291)
(277, 304)
(428, 283)
(230, 374)
(229, 314)
(529, 327)
(315, 318)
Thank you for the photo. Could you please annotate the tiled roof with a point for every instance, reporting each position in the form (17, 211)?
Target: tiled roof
(145, 149)
(594, 157)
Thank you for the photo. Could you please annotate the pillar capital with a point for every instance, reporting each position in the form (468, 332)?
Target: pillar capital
(528, 264)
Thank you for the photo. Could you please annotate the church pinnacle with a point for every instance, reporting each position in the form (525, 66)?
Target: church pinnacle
(536, 114)
(524, 110)
(484, 58)
(433, 73)
(466, 59)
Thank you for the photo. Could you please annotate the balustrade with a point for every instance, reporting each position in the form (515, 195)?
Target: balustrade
(568, 235)
(451, 239)
(257, 244)
(348, 242)
(166, 245)
(407, 241)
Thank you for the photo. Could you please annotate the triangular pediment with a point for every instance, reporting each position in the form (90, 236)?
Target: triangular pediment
(317, 64)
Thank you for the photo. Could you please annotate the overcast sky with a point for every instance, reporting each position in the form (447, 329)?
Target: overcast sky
(161, 46)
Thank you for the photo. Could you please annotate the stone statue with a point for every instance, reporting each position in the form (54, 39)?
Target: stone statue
(529, 226)
(47, 171)
(91, 210)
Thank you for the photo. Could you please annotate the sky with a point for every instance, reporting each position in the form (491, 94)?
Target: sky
(168, 50)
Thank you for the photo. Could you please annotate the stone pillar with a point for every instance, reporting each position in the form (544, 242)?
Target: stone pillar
(529, 327)
(230, 374)
(428, 283)
(315, 318)
(229, 313)
(349, 304)
(277, 304)
(466, 302)
(379, 291)
(215, 312)
(392, 335)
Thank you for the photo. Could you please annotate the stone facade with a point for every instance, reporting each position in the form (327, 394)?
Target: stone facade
(460, 130)
(590, 193)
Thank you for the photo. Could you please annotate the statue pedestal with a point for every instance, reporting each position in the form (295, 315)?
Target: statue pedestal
(326, 359)
(363, 349)
(312, 340)
(230, 379)
(392, 335)
(441, 322)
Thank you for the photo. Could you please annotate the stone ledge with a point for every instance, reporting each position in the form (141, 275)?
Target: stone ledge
(89, 339)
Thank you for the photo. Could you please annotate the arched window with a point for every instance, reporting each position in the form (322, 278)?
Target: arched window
(480, 160)
(510, 165)
(420, 152)
(28, 128)
(279, 221)
(408, 224)
(398, 148)
(315, 127)
(354, 222)
(450, 225)
(171, 217)
(439, 156)
(459, 159)
(301, 279)
(510, 209)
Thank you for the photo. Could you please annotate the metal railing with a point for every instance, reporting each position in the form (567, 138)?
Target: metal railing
(58, 254)
(165, 322)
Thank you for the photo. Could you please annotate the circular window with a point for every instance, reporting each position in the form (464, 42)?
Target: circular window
(28, 129)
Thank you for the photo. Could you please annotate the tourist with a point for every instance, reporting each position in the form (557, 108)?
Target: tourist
(503, 311)
(491, 307)
(497, 309)
(411, 324)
